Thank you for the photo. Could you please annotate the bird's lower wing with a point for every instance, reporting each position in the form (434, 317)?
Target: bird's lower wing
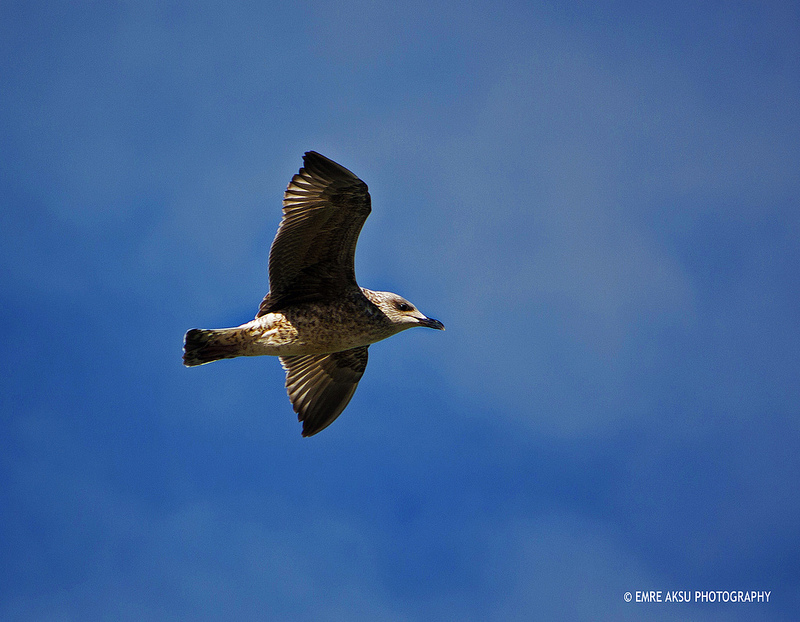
(321, 385)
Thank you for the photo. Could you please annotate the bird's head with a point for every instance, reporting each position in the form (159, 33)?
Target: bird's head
(401, 312)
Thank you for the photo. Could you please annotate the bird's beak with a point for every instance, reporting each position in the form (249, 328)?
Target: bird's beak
(429, 322)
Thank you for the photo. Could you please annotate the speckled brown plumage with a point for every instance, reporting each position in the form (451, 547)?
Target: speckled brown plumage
(315, 317)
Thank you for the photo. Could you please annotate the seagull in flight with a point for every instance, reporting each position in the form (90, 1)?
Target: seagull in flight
(315, 318)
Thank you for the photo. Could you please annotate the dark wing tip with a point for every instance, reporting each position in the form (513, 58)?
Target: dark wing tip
(318, 164)
(309, 432)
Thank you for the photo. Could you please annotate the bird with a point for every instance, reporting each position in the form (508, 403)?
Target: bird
(315, 318)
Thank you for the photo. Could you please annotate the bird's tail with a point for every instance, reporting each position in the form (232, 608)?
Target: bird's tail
(204, 346)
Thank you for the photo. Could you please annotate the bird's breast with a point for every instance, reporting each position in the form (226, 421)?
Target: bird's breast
(316, 329)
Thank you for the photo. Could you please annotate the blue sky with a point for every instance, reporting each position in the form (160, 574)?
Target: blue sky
(600, 203)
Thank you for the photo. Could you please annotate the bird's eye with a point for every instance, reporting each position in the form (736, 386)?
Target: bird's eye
(403, 306)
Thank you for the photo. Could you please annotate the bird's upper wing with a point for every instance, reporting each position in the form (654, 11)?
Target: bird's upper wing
(321, 385)
(312, 256)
